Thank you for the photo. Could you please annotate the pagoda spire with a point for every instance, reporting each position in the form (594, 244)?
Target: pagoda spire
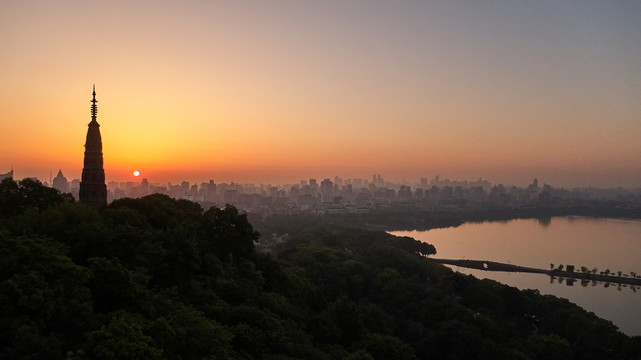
(94, 107)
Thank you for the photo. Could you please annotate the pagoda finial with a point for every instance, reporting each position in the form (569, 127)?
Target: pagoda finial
(94, 107)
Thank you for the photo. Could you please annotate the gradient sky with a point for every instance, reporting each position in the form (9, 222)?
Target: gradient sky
(278, 91)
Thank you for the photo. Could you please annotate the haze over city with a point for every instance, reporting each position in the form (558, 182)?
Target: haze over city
(275, 92)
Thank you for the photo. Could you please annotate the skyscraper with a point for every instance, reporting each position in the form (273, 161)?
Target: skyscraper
(93, 190)
(327, 190)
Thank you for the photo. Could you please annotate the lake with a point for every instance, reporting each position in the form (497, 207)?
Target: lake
(613, 244)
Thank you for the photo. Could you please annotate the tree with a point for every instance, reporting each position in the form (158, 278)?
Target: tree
(161, 211)
(228, 233)
(10, 203)
(16, 197)
(44, 304)
(122, 338)
(360, 355)
(114, 287)
(549, 347)
(196, 337)
(385, 347)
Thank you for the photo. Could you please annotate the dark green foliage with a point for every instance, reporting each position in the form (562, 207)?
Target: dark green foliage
(385, 347)
(549, 347)
(161, 211)
(158, 278)
(228, 233)
(114, 286)
(44, 301)
(194, 335)
(122, 338)
(16, 197)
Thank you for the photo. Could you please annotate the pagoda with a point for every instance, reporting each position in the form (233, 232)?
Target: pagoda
(93, 190)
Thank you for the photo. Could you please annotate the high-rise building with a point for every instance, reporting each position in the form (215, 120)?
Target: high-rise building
(93, 190)
(313, 186)
(144, 187)
(60, 183)
(211, 191)
(327, 190)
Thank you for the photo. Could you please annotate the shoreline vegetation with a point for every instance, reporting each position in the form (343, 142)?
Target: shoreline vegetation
(160, 278)
(401, 218)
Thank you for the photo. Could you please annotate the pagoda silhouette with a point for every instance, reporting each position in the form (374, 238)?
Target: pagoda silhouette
(93, 190)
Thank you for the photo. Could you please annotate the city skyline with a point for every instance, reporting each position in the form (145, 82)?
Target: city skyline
(197, 177)
(275, 93)
(361, 196)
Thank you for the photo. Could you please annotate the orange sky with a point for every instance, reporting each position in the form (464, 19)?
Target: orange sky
(286, 90)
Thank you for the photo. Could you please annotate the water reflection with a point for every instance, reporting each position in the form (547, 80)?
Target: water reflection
(592, 283)
(545, 221)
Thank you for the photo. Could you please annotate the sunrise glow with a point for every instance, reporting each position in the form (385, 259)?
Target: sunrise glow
(265, 93)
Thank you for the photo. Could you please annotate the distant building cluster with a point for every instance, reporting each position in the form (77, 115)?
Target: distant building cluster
(337, 196)
(356, 195)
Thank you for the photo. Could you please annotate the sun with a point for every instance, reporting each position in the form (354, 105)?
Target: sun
(136, 173)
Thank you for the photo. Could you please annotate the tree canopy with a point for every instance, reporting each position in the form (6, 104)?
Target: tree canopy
(159, 278)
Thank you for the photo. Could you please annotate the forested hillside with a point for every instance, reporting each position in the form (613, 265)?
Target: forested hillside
(158, 278)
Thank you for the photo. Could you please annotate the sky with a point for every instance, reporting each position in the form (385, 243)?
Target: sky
(279, 91)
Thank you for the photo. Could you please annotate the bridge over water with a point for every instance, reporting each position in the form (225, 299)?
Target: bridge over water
(497, 266)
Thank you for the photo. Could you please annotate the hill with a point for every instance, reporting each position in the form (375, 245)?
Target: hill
(158, 278)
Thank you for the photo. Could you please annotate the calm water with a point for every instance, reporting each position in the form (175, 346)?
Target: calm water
(612, 244)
